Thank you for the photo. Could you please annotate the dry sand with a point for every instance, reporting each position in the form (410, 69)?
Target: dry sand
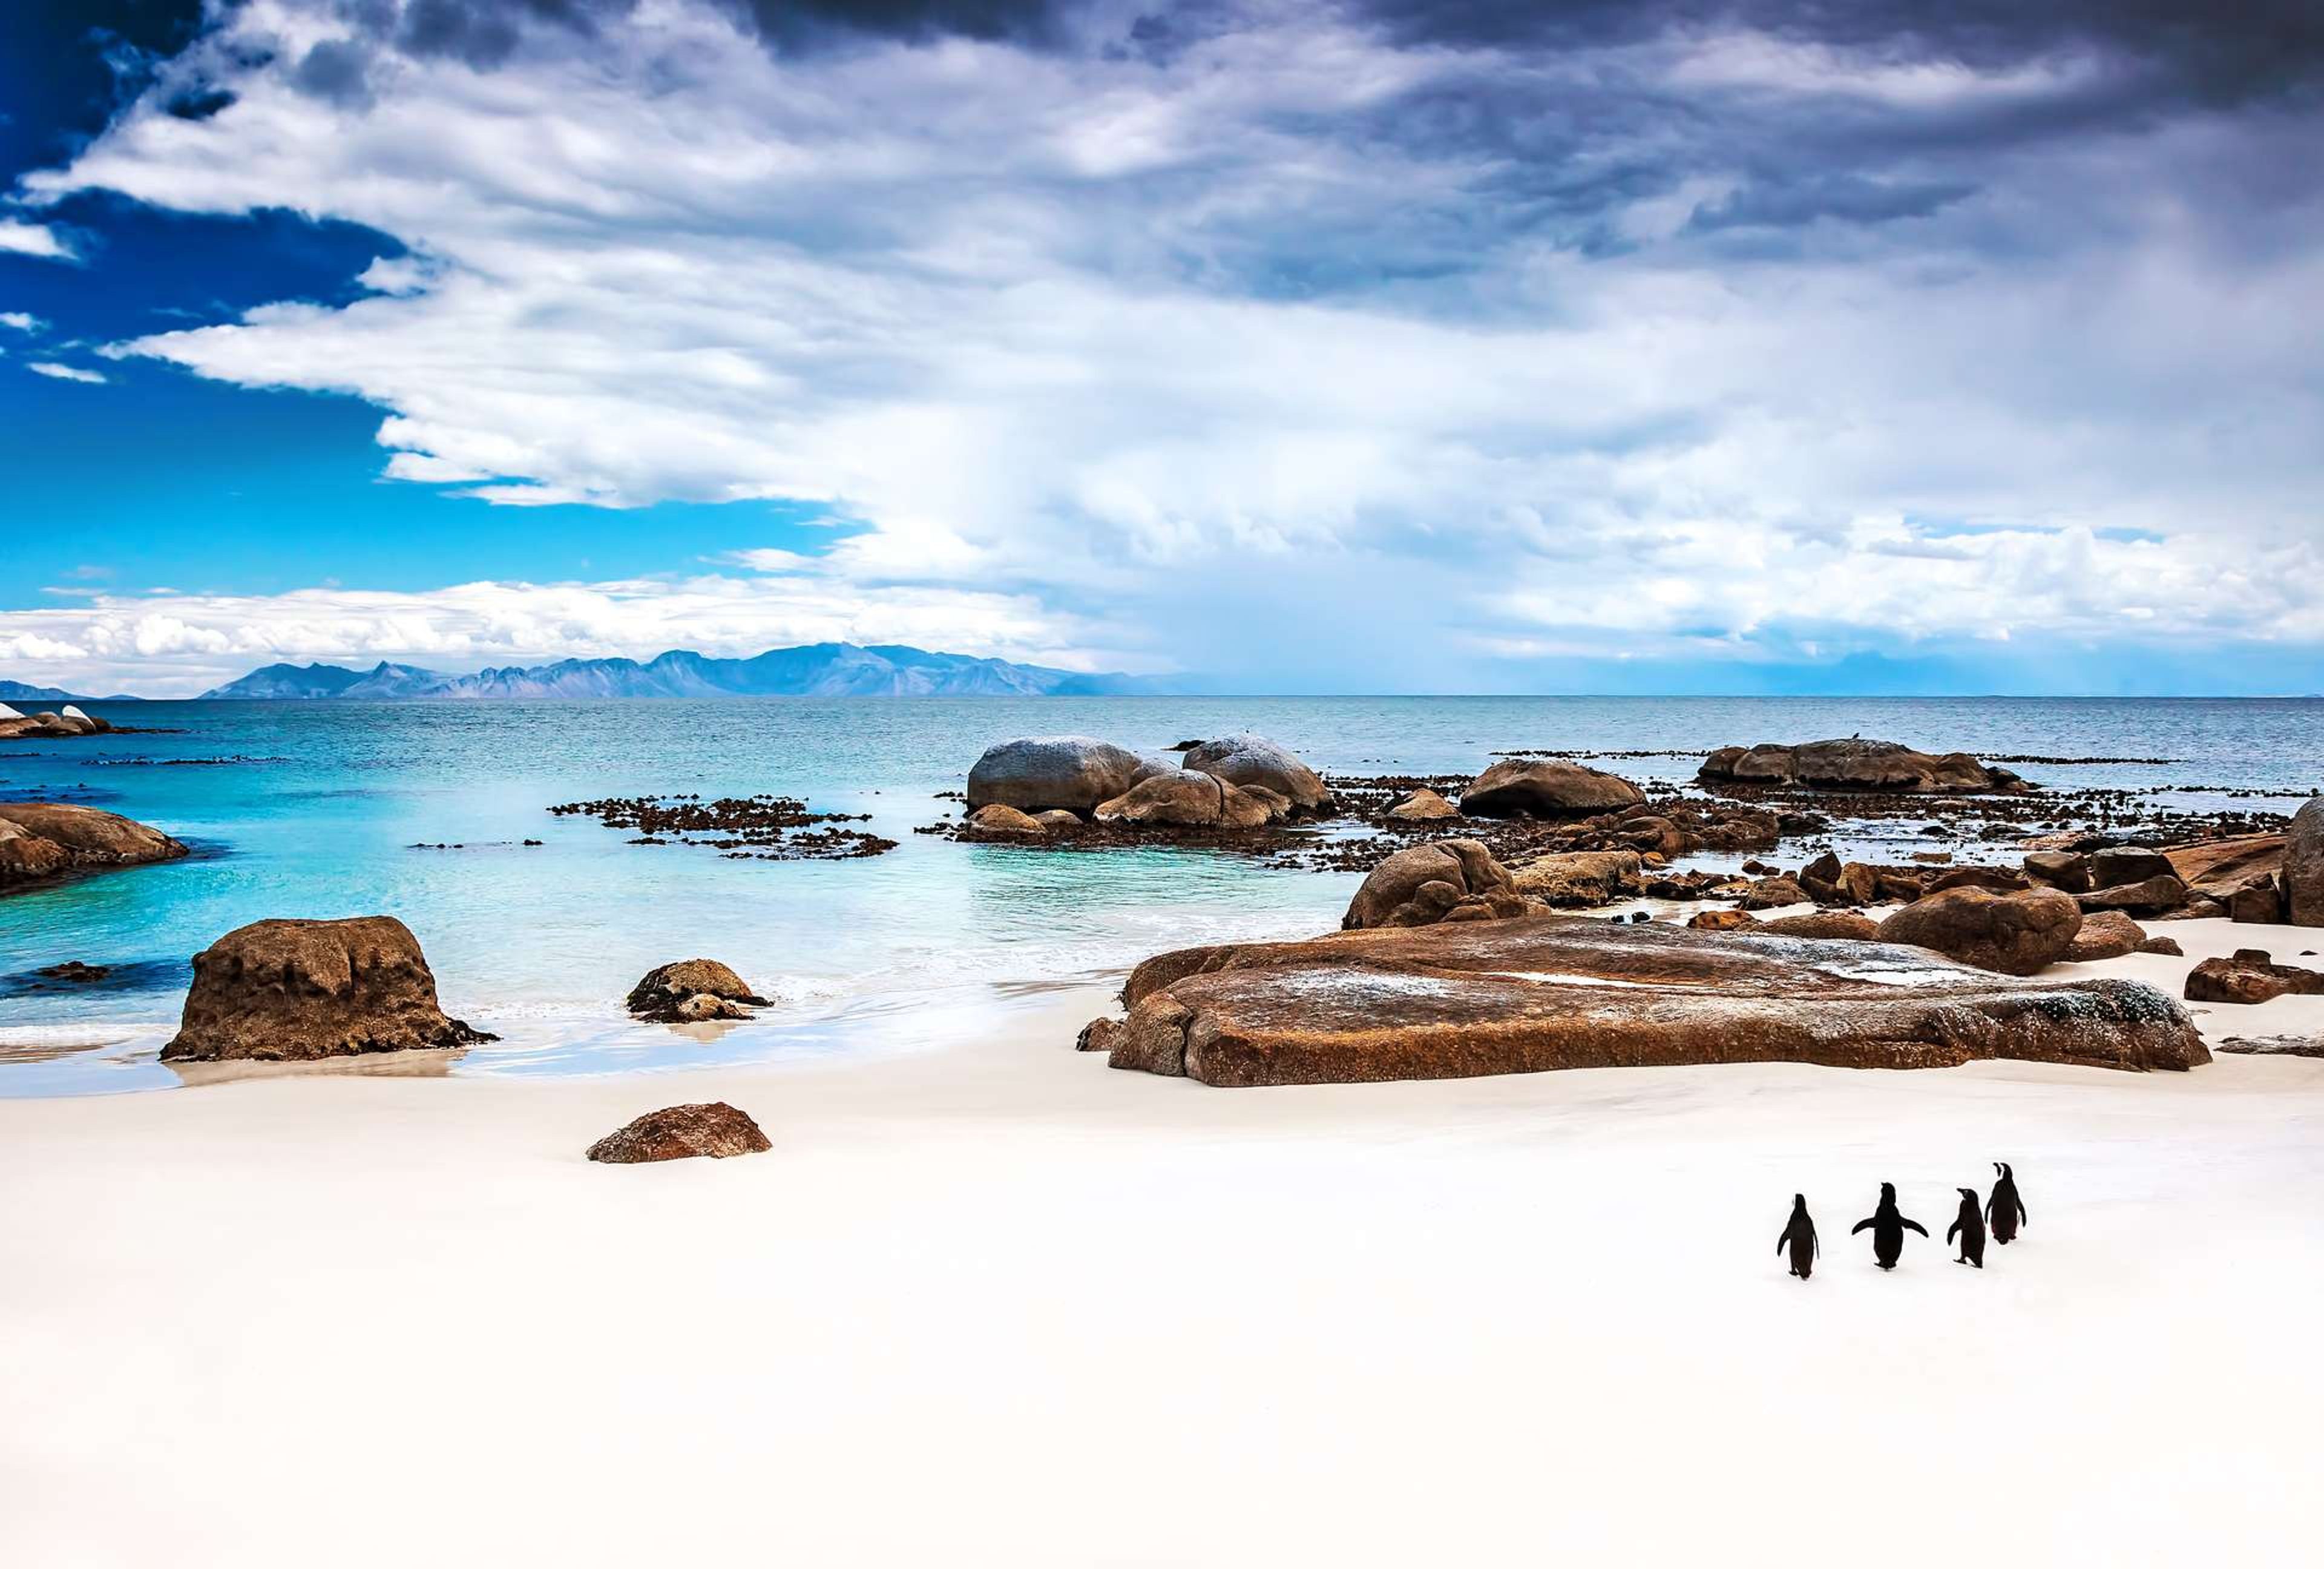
(1001, 1306)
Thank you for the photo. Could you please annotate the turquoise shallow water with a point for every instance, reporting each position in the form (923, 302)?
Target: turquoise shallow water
(915, 947)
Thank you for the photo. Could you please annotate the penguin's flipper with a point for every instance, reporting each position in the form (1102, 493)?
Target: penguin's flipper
(1953, 1231)
(1815, 1245)
(1859, 1225)
(1912, 1225)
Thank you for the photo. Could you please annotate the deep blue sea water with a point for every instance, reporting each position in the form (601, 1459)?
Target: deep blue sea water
(917, 947)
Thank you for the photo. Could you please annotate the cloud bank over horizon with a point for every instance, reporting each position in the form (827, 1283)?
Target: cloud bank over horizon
(1381, 344)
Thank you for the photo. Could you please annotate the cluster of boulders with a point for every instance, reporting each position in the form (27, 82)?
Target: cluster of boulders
(60, 725)
(1877, 767)
(691, 992)
(44, 839)
(1452, 879)
(1037, 788)
(297, 991)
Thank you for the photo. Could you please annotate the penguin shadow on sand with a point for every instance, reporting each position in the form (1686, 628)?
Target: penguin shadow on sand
(1800, 1237)
(1888, 1225)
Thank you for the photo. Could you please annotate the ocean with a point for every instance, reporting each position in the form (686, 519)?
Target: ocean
(319, 810)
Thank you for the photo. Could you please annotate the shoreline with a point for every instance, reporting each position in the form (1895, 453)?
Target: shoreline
(1000, 1304)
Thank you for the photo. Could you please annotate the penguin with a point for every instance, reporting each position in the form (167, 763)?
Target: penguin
(1970, 1226)
(1888, 1229)
(1800, 1237)
(2004, 1211)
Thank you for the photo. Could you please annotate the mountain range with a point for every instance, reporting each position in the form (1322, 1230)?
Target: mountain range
(813, 670)
(18, 692)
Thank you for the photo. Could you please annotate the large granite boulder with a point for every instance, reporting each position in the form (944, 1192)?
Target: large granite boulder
(2303, 865)
(294, 991)
(707, 1127)
(2062, 870)
(2016, 934)
(1559, 991)
(2249, 977)
(691, 992)
(1185, 799)
(2108, 933)
(41, 839)
(1581, 877)
(1251, 761)
(2219, 867)
(1886, 767)
(2146, 896)
(1037, 773)
(1533, 788)
(48, 726)
(1428, 883)
(1423, 806)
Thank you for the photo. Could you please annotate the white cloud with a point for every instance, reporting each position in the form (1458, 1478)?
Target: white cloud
(21, 320)
(1092, 332)
(20, 238)
(58, 372)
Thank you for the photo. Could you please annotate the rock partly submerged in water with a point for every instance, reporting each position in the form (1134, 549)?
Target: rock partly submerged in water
(62, 725)
(1559, 991)
(1423, 806)
(2015, 934)
(297, 991)
(691, 992)
(1547, 788)
(1883, 767)
(707, 1127)
(1071, 773)
(1187, 798)
(1253, 761)
(43, 839)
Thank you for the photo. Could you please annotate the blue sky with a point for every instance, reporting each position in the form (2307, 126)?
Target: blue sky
(1747, 346)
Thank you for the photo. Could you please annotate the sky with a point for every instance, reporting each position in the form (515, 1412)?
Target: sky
(1418, 345)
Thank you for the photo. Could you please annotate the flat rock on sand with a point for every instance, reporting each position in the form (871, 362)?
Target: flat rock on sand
(1521, 996)
(707, 1127)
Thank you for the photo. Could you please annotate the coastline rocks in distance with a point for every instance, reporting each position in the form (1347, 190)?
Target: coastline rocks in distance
(1545, 788)
(40, 839)
(707, 1127)
(691, 992)
(2249, 976)
(1449, 879)
(1559, 991)
(2303, 865)
(45, 726)
(1423, 806)
(1886, 767)
(2016, 934)
(1253, 761)
(296, 991)
(1037, 773)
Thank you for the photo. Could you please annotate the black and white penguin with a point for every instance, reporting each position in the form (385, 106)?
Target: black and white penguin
(1888, 1227)
(1800, 1237)
(2004, 1211)
(1970, 1226)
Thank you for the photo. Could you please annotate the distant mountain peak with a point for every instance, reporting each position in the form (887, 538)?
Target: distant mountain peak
(825, 669)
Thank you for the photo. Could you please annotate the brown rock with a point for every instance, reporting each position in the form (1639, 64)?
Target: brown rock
(1057, 820)
(996, 821)
(294, 991)
(2274, 1046)
(2148, 896)
(1654, 835)
(40, 839)
(1842, 924)
(2247, 976)
(2258, 902)
(2108, 935)
(1581, 877)
(2121, 865)
(1182, 799)
(1724, 920)
(1450, 1002)
(691, 992)
(1771, 893)
(2218, 867)
(2016, 934)
(2060, 869)
(2165, 946)
(1423, 806)
(1098, 1035)
(1423, 884)
(2303, 865)
(710, 1128)
(1519, 787)
(1994, 878)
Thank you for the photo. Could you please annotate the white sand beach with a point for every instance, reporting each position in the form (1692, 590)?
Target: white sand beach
(999, 1305)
